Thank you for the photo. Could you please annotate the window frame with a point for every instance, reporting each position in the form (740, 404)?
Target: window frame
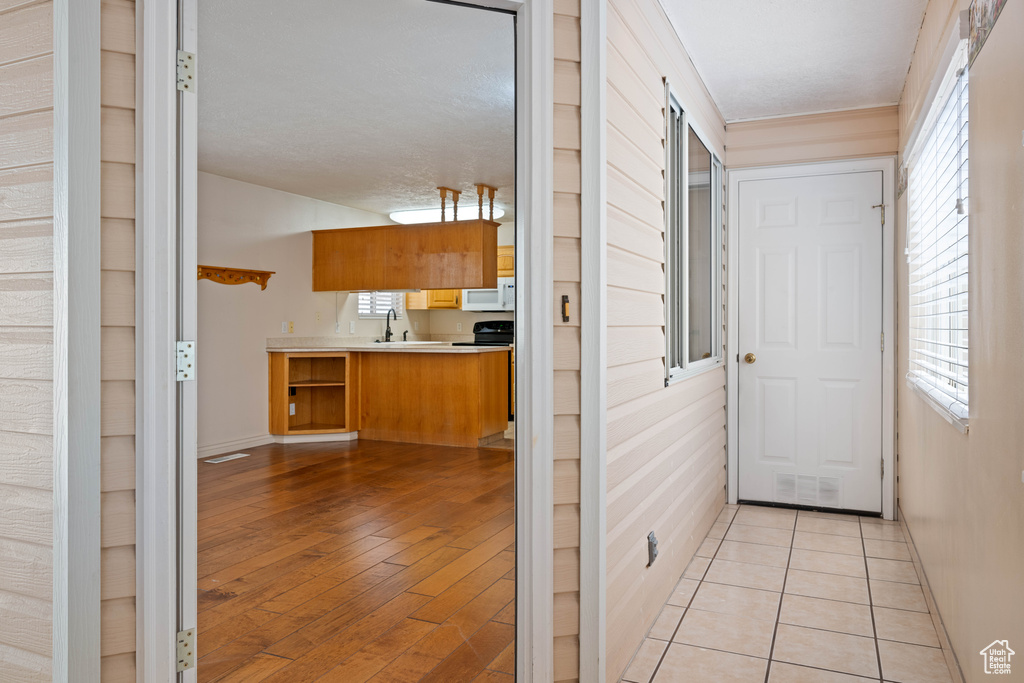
(954, 411)
(677, 249)
(396, 296)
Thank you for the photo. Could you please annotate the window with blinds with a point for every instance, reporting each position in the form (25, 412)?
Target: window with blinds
(937, 230)
(377, 304)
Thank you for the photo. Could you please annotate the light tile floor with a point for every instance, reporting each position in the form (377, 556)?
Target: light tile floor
(777, 596)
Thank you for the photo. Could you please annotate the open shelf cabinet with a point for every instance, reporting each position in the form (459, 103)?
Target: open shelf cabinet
(313, 393)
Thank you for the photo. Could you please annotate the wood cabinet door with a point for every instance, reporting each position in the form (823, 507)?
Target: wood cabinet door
(442, 255)
(416, 301)
(350, 259)
(444, 298)
(506, 261)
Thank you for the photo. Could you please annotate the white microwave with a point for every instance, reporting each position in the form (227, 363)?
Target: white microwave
(501, 298)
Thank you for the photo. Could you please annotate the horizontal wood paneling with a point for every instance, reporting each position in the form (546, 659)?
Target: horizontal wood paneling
(21, 666)
(26, 406)
(117, 365)
(25, 623)
(665, 444)
(26, 340)
(26, 33)
(567, 268)
(27, 139)
(27, 569)
(26, 460)
(815, 137)
(118, 668)
(28, 514)
(27, 246)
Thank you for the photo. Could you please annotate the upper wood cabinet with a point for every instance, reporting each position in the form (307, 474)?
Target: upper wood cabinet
(444, 298)
(451, 255)
(433, 298)
(506, 260)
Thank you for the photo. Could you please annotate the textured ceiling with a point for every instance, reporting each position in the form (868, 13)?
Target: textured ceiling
(367, 103)
(763, 58)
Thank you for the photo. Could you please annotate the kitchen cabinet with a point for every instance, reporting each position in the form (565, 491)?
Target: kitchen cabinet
(451, 255)
(444, 298)
(506, 260)
(433, 298)
(313, 392)
(453, 396)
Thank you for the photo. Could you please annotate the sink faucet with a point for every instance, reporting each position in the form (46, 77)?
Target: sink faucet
(387, 330)
(405, 336)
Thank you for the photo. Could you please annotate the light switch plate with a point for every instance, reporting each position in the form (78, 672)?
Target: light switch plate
(284, 328)
(291, 328)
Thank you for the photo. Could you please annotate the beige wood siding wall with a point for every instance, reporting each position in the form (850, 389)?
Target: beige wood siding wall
(567, 340)
(26, 340)
(117, 155)
(666, 446)
(814, 137)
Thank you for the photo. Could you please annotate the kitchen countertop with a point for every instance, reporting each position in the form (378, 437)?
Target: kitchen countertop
(392, 347)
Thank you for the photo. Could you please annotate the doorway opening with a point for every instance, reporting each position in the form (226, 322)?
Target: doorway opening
(368, 525)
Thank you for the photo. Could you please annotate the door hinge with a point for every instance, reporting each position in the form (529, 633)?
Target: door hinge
(186, 649)
(883, 342)
(882, 207)
(883, 468)
(186, 71)
(186, 360)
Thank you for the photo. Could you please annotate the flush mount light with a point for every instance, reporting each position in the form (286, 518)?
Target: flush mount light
(434, 215)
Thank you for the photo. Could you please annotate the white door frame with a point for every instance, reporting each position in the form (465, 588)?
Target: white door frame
(887, 165)
(157, 303)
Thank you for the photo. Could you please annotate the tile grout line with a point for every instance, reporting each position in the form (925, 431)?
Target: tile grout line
(782, 596)
(871, 602)
(700, 582)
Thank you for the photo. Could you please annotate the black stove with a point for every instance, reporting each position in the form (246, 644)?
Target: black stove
(492, 333)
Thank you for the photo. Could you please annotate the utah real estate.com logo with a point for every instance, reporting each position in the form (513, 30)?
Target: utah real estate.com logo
(997, 657)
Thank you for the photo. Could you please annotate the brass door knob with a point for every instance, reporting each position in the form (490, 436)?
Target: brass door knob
(750, 358)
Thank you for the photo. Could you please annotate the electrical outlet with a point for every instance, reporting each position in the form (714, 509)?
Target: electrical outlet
(416, 327)
(291, 328)
(284, 328)
(352, 327)
(337, 328)
(291, 408)
(458, 327)
(652, 548)
(318, 316)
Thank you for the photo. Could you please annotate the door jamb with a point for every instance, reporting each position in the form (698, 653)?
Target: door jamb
(887, 165)
(157, 309)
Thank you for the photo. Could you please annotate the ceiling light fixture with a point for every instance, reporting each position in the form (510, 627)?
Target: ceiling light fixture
(434, 215)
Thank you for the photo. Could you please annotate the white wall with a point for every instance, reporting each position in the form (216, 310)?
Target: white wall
(248, 226)
(961, 495)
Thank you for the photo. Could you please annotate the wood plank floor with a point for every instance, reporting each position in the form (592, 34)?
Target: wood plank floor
(366, 561)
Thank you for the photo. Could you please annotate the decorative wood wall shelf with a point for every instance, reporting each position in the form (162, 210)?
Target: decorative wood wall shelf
(235, 276)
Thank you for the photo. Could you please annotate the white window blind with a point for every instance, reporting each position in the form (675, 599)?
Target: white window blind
(377, 304)
(937, 255)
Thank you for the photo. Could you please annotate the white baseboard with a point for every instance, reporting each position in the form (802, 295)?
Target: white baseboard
(233, 445)
(314, 438)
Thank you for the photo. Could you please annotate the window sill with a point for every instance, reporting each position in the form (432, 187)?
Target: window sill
(933, 399)
(683, 375)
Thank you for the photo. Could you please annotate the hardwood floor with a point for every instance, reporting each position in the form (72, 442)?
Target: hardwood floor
(367, 561)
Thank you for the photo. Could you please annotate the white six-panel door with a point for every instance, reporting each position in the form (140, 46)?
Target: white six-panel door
(810, 318)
